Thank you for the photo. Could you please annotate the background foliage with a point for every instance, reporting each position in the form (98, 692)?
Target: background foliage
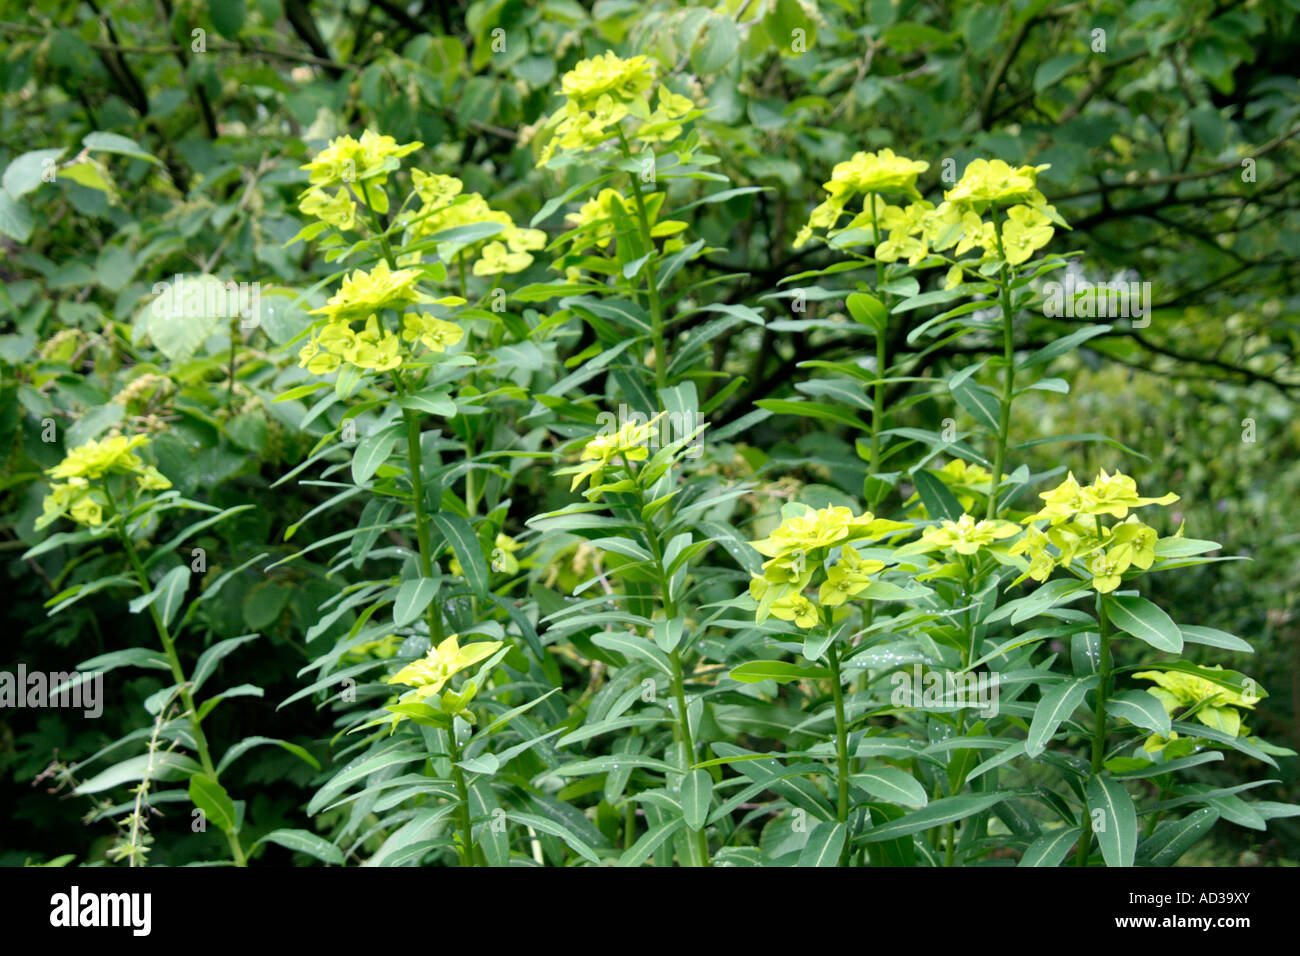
(1173, 156)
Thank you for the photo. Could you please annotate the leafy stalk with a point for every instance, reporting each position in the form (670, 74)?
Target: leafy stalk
(414, 462)
(1009, 371)
(173, 660)
(468, 850)
(652, 277)
(841, 745)
(1099, 724)
(698, 844)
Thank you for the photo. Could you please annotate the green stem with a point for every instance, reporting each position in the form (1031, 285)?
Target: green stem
(878, 400)
(174, 662)
(1099, 725)
(698, 843)
(652, 278)
(414, 461)
(379, 229)
(462, 799)
(1009, 380)
(841, 747)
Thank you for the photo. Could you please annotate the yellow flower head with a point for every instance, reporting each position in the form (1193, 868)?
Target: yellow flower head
(497, 259)
(1217, 702)
(364, 293)
(996, 181)
(435, 334)
(430, 673)
(800, 544)
(600, 93)
(1035, 545)
(372, 349)
(434, 189)
(95, 459)
(75, 491)
(607, 75)
(346, 160)
(1025, 232)
(869, 175)
(881, 172)
(1108, 495)
(339, 211)
(966, 535)
(795, 607)
(629, 443)
(847, 577)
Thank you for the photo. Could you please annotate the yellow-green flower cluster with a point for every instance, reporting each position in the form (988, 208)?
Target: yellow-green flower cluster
(966, 535)
(629, 443)
(868, 175)
(444, 205)
(359, 168)
(604, 90)
(375, 348)
(1216, 704)
(431, 673)
(1074, 530)
(595, 224)
(800, 547)
(1022, 215)
(914, 231)
(76, 490)
(347, 161)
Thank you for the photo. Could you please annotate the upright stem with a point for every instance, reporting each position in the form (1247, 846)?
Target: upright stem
(652, 278)
(841, 747)
(414, 462)
(1099, 725)
(878, 400)
(379, 228)
(173, 662)
(698, 843)
(1009, 363)
(462, 794)
(414, 459)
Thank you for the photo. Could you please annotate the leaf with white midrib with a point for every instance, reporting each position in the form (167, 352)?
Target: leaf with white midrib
(1141, 709)
(696, 795)
(1118, 839)
(893, 786)
(413, 596)
(824, 845)
(1146, 622)
(1050, 848)
(1055, 707)
(466, 547)
(946, 810)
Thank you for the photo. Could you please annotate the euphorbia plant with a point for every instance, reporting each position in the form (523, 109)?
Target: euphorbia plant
(116, 497)
(396, 346)
(961, 565)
